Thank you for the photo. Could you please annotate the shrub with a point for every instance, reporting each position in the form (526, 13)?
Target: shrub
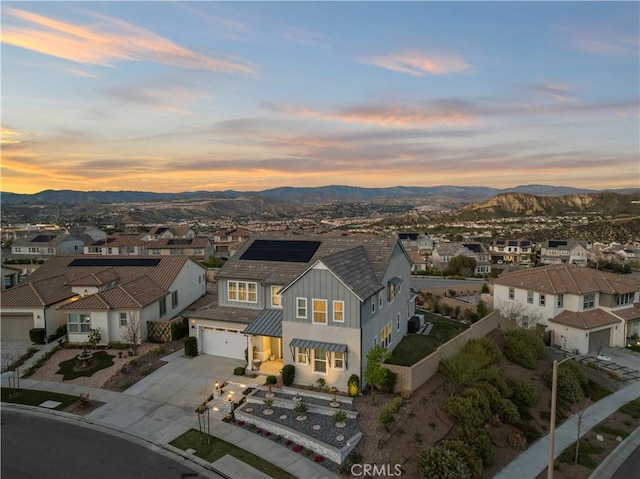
(301, 407)
(297, 448)
(528, 340)
(239, 371)
(389, 381)
(288, 373)
(179, 329)
(470, 458)
(479, 440)
(442, 463)
(518, 352)
(524, 393)
(144, 370)
(271, 380)
(632, 409)
(61, 331)
(481, 309)
(123, 384)
(485, 348)
(481, 400)
(464, 411)
(509, 412)
(36, 335)
(191, 346)
(353, 385)
(339, 416)
(385, 416)
(395, 404)
(133, 362)
(569, 382)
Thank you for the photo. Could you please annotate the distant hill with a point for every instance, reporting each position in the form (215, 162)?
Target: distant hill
(306, 196)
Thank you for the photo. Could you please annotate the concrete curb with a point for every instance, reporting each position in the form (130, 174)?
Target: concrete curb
(614, 460)
(178, 455)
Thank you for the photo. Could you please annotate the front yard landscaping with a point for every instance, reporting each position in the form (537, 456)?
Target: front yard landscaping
(70, 368)
(31, 397)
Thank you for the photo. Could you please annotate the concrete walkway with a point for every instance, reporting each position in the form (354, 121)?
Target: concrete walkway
(161, 408)
(534, 460)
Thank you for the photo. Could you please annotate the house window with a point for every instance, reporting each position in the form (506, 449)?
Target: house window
(560, 301)
(391, 291)
(398, 322)
(622, 299)
(79, 322)
(319, 311)
(243, 291)
(375, 341)
(589, 301)
(163, 306)
(319, 361)
(276, 301)
(174, 299)
(530, 297)
(512, 293)
(302, 356)
(338, 361)
(338, 311)
(543, 299)
(301, 308)
(373, 305)
(385, 336)
(380, 299)
(123, 319)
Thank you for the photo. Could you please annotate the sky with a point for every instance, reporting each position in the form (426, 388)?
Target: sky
(188, 96)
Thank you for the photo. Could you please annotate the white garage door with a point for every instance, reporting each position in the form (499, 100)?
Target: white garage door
(15, 327)
(227, 343)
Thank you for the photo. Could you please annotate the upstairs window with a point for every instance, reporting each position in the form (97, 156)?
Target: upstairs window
(301, 308)
(560, 301)
(543, 299)
(319, 311)
(338, 311)
(174, 299)
(622, 299)
(243, 291)
(589, 301)
(530, 297)
(512, 293)
(276, 300)
(163, 306)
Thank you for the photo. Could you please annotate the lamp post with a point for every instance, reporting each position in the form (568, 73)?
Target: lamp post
(552, 421)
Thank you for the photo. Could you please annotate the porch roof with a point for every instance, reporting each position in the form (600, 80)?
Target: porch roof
(267, 323)
(322, 346)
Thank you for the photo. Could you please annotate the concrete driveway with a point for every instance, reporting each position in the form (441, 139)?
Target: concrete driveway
(12, 350)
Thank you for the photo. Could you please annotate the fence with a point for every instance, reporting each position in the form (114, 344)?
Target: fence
(160, 331)
(411, 378)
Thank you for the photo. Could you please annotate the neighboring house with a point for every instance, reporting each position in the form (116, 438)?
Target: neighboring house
(444, 252)
(318, 302)
(117, 245)
(226, 243)
(418, 241)
(46, 244)
(96, 234)
(563, 252)
(11, 276)
(199, 247)
(583, 307)
(418, 263)
(504, 251)
(91, 292)
(169, 232)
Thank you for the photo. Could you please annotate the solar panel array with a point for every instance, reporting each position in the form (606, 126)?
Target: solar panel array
(179, 241)
(42, 238)
(556, 243)
(112, 262)
(281, 250)
(475, 247)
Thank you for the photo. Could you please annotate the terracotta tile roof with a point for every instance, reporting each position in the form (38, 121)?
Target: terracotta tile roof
(95, 279)
(45, 292)
(629, 314)
(590, 319)
(134, 295)
(565, 278)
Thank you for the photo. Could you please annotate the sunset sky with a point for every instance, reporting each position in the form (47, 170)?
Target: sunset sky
(169, 97)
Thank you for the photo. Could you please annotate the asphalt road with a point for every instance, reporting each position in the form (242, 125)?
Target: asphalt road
(36, 447)
(629, 468)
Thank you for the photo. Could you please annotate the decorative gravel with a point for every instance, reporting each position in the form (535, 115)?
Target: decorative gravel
(327, 433)
(306, 399)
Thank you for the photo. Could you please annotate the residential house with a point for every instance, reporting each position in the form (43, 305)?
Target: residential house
(88, 234)
(505, 251)
(11, 275)
(318, 302)
(418, 263)
(444, 252)
(169, 232)
(46, 244)
(117, 245)
(563, 252)
(418, 241)
(199, 247)
(91, 292)
(583, 308)
(227, 242)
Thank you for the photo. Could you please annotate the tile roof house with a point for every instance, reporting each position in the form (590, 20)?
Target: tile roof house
(563, 252)
(91, 292)
(198, 247)
(116, 245)
(584, 308)
(318, 302)
(227, 242)
(168, 232)
(46, 244)
(444, 252)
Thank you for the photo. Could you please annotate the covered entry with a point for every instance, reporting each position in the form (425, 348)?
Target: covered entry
(228, 343)
(15, 327)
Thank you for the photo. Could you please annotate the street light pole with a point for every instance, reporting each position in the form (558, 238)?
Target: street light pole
(552, 421)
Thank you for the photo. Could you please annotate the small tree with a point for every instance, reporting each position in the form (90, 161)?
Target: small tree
(482, 309)
(94, 337)
(131, 332)
(462, 265)
(375, 374)
(442, 463)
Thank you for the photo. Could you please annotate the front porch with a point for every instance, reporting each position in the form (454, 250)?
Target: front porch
(265, 343)
(271, 368)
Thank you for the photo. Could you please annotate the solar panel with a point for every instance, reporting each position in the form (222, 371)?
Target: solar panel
(111, 262)
(525, 243)
(281, 250)
(42, 238)
(513, 243)
(179, 241)
(556, 243)
(475, 247)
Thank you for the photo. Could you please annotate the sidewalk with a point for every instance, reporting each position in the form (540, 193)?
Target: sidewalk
(533, 461)
(159, 423)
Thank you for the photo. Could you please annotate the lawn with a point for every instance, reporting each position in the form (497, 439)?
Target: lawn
(100, 360)
(217, 448)
(32, 397)
(415, 347)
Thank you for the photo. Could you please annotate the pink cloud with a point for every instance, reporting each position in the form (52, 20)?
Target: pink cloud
(420, 64)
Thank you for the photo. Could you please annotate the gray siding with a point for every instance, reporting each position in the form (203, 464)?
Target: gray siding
(263, 295)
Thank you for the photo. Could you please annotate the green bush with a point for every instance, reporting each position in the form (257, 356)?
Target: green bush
(385, 416)
(395, 404)
(464, 411)
(509, 412)
(524, 393)
(569, 387)
(36, 335)
(288, 373)
(481, 399)
(144, 370)
(123, 384)
(191, 346)
(518, 352)
(239, 371)
(271, 380)
(467, 454)
(133, 362)
(485, 348)
(441, 463)
(353, 385)
(388, 381)
(632, 409)
(179, 329)
(479, 440)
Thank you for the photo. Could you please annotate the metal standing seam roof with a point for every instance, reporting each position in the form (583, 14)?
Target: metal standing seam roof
(322, 346)
(267, 323)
